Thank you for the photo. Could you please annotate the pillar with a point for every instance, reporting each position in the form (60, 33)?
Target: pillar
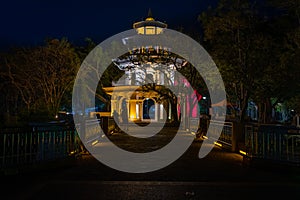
(141, 110)
(156, 111)
(237, 130)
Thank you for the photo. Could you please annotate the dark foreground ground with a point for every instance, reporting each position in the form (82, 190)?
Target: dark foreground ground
(220, 175)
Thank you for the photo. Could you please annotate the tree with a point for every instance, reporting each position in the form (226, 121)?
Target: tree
(257, 52)
(9, 101)
(222, 35)
(283, 78)
(43, 75)
(233, 34)
(291, 7)
(92, 56)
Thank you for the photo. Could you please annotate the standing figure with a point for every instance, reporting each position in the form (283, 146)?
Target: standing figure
(125, 118)
(117, 122)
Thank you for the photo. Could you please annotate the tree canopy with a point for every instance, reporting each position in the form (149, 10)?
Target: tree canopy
(257, 57)
(41, 76)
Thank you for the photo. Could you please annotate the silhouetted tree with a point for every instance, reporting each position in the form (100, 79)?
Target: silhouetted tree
(43, 75)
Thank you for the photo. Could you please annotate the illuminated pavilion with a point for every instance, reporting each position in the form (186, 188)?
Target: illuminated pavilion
(145, 104)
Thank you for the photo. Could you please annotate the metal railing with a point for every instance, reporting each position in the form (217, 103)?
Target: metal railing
(92, 130)
(22, 148)
(226, 134)
(273, 142)
(45, 142)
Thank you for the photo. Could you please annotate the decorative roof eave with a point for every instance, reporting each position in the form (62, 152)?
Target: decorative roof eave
(149, 23)
(136, 89)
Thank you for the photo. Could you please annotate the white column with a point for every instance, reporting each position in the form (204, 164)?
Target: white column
(128, 107)
(161, 110)
(129, 78)
(156, 111)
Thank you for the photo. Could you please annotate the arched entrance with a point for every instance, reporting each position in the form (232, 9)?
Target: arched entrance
(148, 109)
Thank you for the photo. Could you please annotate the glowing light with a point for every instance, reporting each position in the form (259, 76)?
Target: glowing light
(193, 133)
(161, 107)
(150, 19)
(95, 142)
(137, 110)
(204, 137)
(218, 144)
(150, 30)
(243, 152)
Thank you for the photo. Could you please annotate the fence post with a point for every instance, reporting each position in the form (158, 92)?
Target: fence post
(236, 133)
(4, 143)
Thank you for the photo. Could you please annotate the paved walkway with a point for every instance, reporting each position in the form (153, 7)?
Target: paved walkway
(220, 174)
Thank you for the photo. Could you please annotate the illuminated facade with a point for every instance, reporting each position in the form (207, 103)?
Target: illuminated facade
(135, 92)
(149, 26)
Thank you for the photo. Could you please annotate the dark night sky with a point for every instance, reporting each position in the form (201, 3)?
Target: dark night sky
(29, 22)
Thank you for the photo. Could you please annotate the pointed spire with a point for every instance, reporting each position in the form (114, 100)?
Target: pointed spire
(150, 13)
(149, 17)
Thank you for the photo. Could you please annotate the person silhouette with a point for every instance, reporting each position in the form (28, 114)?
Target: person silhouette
(117, 122)
(125, 118)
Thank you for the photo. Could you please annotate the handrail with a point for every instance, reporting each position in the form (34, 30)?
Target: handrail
(30, 147)
(273, 142)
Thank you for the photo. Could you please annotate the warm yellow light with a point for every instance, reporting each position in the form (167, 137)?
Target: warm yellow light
(205, 137)
(243, 152)
(159, 30)
(140, 30)
(95, 142)
(218, 144)
(150, 30)
(193, 133)
(150, 19)
(72, 152)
